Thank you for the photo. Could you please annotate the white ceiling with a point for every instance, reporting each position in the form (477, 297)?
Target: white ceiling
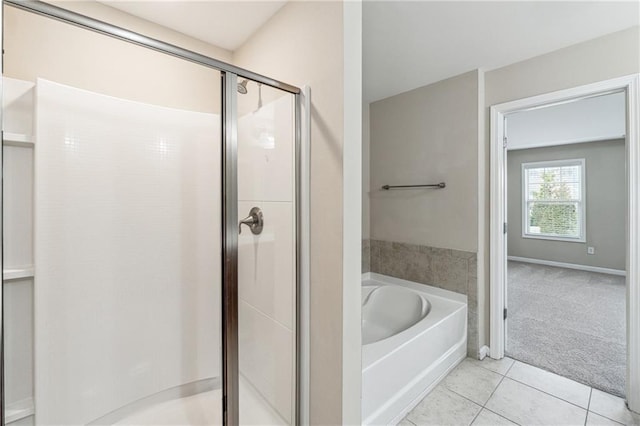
(408, 44)
(585, 120)
(227, 24)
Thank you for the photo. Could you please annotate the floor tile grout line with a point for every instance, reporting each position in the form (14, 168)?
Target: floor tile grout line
(485, 403)
(555, 374)
(479, 364)
(483, 406)
(586, 418)
(454, 392)
(591, 388)
(462, 396)
(608, 418)
(547, 393)
(500, 415)
(476, 416)
(443, 384)
(510, 367)
(589, 410)
(488, 369)
(494, 391)
(602, 415)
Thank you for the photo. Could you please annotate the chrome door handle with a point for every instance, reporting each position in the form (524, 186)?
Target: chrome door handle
(254, 221)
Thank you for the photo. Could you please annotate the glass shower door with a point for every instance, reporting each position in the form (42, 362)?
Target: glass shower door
(133, 292)
(266, 254)
(112, 245)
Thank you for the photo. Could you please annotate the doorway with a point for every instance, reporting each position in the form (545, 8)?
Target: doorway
(566, 202)
(532, 273)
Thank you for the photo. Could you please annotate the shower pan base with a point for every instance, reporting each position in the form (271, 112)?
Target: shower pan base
(204, 409)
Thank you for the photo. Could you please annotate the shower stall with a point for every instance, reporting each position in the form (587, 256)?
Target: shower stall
(151, 234)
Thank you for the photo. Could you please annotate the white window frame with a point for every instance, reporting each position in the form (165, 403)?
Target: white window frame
(582, 204)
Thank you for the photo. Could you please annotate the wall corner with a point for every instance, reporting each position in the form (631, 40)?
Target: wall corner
(352, 214)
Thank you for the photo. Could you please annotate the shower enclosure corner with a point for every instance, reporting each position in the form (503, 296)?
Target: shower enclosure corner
(150, 238)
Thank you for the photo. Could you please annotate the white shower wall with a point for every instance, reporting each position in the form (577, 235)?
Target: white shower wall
(266, 270)
(127, 251)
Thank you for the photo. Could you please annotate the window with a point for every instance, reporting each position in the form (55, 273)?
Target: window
(553, 200)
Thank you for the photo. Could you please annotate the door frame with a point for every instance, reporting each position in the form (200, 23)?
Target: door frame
(229, 203)
(498, 242)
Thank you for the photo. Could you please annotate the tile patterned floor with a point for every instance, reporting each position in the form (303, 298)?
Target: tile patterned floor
(508, 392)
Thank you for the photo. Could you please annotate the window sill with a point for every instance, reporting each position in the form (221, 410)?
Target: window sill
(552, 238)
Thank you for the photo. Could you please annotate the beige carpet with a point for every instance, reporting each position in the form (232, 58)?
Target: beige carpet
(568, 322)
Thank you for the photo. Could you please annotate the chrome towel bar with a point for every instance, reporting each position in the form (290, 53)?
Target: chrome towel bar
(433, 185)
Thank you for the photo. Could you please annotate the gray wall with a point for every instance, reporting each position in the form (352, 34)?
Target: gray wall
(605, 205)
(429, 236)
(427, 135)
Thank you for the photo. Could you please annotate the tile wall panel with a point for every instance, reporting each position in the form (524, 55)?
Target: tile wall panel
(265, 152)
(266, 262)
(266, 351)
(266, 269)
(127, 248)
(453, 270)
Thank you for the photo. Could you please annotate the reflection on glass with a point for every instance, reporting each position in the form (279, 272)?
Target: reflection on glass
(112, 231)
(267, 291)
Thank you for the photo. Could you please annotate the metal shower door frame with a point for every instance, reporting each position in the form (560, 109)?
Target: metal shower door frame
(229, 162)
(2, 375)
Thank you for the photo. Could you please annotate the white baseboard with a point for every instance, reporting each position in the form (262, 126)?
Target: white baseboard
(569, 265)
(484, 351)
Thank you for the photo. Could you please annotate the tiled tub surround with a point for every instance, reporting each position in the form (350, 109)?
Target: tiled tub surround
(366, 256)
(452, 270)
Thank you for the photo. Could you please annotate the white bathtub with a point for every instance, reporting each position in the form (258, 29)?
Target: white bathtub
(413, 335)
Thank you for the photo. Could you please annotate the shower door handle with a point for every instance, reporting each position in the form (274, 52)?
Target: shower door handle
(254, 221)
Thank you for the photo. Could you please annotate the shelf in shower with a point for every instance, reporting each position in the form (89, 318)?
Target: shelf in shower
(19, 410)
(17, 139)
(18, 273)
